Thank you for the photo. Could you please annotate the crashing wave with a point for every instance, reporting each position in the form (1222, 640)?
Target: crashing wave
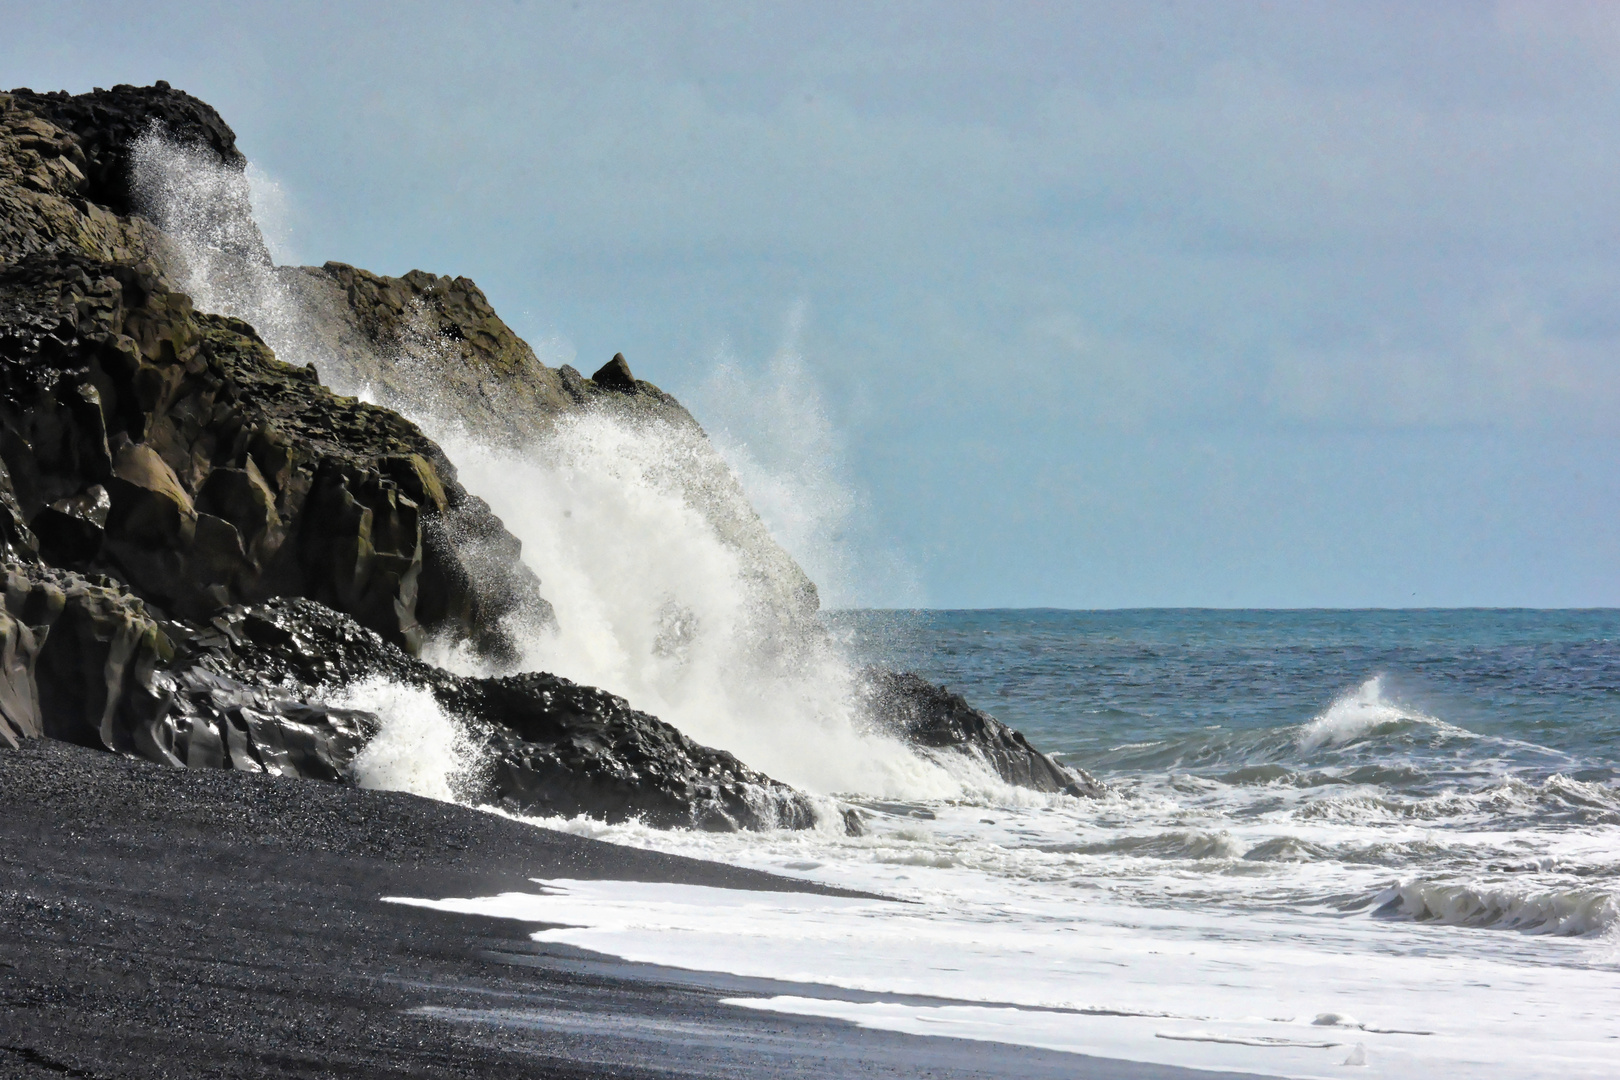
(1573, 912)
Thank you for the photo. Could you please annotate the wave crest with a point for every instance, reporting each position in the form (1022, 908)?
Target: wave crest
(1363, 713)
(1577, 912)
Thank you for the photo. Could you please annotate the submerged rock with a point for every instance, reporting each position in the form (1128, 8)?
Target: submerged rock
(930, 716)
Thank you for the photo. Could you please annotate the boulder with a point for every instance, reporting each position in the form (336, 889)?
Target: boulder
(615, 374)
(932, 717)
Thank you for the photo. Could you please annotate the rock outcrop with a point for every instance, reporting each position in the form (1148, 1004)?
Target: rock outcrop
(434, 347)
(200, 541)
(83, 661)
(169, 449)
(546, 745)
(45, 196)
(930, 716)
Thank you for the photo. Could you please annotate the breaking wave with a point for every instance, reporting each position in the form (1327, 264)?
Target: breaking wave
(1572, 912)
(1364, 713)
(654, 604)
(631, 524)
(420, 748)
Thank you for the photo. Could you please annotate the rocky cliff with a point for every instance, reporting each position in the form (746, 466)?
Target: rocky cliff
(200, 540)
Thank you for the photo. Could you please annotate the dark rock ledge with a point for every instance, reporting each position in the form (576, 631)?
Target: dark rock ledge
(933, 718)
(84, 662)
(199, 541)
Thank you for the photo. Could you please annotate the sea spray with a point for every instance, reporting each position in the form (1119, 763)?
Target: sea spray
(772, 427)
(637, 527)
(653, 604)
(420, 748)
(222, 261)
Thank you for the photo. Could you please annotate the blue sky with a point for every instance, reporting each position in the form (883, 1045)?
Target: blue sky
(1090, 305)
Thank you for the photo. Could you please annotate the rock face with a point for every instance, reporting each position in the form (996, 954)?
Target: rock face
(83, 661)
(931, 716)
(433, 346)
(107, 123)
(171, 450)
(45, 196)
(200, 541)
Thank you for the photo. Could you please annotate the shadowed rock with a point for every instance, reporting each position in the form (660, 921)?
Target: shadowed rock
(107, 123)
(931, 716)
(228, 475)
(615, 374)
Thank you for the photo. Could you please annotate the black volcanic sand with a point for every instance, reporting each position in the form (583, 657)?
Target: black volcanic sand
(168, 923)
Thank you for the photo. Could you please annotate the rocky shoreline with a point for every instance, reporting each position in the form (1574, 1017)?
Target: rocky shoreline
(200, 541)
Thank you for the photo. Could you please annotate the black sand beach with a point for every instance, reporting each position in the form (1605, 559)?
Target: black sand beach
(171, 923)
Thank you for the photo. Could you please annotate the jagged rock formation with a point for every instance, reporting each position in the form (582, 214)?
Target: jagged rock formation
(550, 745)
(200, 540)
(433, 346)
(106, 124)
(931, 716)
(171, 450)
(83, 661)
(45, 196)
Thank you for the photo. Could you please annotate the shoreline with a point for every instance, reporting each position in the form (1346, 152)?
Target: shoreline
(179, 923)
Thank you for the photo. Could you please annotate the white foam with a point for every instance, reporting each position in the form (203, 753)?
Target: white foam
(654, 604)
(1358, 714)
(1084, 973)
(420, 748)
(1580, 910)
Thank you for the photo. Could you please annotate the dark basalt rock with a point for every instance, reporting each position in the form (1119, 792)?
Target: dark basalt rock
(107, 124)
(551, 746)
(171, 449)
(615, 374)
(931, 716)
(83, 661)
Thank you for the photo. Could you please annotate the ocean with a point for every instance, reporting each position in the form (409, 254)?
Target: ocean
(1383, 841)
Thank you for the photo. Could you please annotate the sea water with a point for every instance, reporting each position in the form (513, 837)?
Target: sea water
(1382, 842)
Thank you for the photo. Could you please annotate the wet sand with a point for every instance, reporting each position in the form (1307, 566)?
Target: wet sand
(165, 923)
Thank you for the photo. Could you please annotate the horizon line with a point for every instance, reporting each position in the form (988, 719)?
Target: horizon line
(1213, 609)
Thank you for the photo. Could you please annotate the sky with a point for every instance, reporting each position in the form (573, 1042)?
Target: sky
(1039, 304)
